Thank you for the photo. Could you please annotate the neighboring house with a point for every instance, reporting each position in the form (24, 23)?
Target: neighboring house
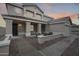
(60, 25)
(24, 19)
(75, 19)
(74, 28)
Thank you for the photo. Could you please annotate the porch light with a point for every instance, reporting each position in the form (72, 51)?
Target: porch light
(19, 24)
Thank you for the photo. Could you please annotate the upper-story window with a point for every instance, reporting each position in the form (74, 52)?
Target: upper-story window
(18, 11)
(14, 10)
(39, 16)
(29, 13)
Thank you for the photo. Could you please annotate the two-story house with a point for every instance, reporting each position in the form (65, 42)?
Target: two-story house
(24, 19)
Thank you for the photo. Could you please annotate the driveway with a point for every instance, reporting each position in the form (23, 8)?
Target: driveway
(23, 47)
(58, 48)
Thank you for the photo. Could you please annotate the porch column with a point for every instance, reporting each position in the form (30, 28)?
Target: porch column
(28, 28)
(9, 27)
(39, 28)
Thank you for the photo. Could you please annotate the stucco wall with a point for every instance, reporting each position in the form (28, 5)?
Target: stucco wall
(8, 27)
(59, 28)
(33, 14)
(33, 8)
(39, 17)
(28, 28)
(12, 10)
(2, 26)
(46, 18)
(3, 9)
(29, 14)
(47, 28)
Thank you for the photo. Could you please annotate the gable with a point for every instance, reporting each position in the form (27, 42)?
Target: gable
(38, 10)
(33, 8)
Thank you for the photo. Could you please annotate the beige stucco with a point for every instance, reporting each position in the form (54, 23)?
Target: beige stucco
(39, 28)
(59, 28)
(2, 22)
(33, 14)
(39, 17)
(47, 28)
(9, 27)
(29, 14)
(3, 9)
(32, 8)
(2, 25)
(28, 28)
(12, 10)
(46, 18)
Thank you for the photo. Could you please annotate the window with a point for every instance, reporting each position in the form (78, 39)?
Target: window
(39, 16)
(30, 13)
(18, 10)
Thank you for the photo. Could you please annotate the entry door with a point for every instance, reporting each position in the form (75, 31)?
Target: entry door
(43, 28)
(15, 29)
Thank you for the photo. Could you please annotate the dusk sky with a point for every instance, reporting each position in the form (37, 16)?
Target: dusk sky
(58, 10)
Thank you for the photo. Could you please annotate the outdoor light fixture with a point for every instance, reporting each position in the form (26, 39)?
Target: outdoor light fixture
(19, 24)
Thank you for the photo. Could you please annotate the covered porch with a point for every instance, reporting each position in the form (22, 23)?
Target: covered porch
(38, 28)
(24, 28)
(21, 26)
(18, 28)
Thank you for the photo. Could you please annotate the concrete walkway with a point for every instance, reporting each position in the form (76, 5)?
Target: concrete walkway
(58, 48)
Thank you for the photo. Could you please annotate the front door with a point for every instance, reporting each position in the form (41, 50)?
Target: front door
(15, 29)
(43, 28)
